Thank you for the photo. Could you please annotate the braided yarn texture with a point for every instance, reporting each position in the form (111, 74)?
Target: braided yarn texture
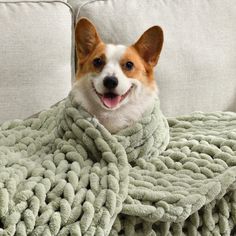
(190, 188)
(62, 173)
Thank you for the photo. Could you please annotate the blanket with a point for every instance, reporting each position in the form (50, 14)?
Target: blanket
(62, 173)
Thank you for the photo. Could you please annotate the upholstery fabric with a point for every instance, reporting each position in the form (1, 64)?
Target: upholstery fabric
(36, 56)
(197, 67)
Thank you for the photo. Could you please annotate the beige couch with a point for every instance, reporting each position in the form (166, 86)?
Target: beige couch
(196, 71)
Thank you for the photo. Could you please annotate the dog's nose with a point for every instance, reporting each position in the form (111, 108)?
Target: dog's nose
(110, 82)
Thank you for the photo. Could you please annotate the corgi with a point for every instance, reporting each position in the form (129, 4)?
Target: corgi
(115, 83)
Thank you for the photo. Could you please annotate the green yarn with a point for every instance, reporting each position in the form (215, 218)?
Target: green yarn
(62, 173)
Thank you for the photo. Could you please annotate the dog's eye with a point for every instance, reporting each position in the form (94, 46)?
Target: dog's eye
(98, 62)
(129, 65)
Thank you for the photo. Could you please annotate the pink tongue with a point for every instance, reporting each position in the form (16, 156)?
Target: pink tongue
(111, 102)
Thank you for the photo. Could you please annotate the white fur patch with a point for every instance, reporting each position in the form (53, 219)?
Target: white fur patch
(112, 68)
(115, 52)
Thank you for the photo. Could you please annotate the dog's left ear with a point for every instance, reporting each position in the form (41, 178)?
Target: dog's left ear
(150, 44)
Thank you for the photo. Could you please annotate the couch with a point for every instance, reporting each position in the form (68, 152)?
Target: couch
(196, 72)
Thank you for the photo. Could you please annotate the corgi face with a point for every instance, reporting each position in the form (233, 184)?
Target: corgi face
(114, 80)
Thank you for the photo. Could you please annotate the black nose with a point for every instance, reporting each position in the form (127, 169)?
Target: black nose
(110, 82)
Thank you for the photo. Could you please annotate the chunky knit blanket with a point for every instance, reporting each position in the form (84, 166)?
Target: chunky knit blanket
(62, 173)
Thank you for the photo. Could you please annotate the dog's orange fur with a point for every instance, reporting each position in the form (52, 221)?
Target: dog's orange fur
(86, 65)
(142, 71)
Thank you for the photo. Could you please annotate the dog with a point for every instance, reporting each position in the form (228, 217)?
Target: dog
(115, 83)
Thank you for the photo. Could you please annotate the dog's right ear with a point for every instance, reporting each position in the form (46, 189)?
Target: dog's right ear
(86, 38)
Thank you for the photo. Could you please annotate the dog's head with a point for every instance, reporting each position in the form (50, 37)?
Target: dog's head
(112, 75)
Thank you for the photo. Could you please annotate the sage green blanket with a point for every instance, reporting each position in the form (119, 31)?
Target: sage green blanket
(62, 173)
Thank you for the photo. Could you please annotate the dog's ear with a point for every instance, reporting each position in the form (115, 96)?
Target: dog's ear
(150, 44)
(86, 38)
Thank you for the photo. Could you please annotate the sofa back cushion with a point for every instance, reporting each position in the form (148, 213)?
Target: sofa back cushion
(36, 56)
(197, 67)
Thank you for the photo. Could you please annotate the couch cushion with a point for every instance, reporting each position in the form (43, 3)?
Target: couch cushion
(197, 68)
(36, 56)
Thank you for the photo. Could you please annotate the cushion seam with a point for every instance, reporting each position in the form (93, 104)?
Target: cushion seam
(87, 3)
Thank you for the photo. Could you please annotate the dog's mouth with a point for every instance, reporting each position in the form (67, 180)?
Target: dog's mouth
(111, 100)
